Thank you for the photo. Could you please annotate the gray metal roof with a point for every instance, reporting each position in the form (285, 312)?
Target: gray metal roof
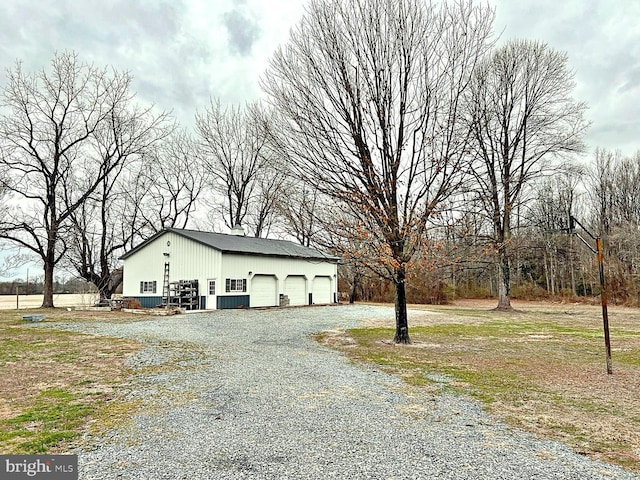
(244, 245)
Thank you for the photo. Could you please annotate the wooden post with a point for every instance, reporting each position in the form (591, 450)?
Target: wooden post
(605, 313)
(603, 289)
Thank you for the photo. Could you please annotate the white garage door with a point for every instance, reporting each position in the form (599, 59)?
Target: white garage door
(322, 290)
(263, 291)
(295, 289)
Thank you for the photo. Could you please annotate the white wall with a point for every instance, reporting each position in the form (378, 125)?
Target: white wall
(239, 266)
(190, 260)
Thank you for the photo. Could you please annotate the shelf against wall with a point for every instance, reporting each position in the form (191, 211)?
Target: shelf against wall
(184, 294)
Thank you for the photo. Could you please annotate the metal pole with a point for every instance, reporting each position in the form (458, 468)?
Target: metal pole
(605, 313)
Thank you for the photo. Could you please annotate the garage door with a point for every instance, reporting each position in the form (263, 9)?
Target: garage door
(295, 289)
(322, 290)
(263, 291)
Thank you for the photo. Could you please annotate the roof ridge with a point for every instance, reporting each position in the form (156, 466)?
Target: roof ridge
(229, 243)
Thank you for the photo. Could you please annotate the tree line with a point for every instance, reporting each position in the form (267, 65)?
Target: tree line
(546, 261)
(35, 286)
(396, 134)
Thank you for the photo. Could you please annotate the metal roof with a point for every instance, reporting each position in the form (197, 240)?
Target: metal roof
(243, 245)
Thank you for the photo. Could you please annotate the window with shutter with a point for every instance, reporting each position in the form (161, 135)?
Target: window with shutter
(148, 287)
(236, 284)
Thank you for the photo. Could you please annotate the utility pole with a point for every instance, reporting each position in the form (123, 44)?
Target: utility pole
(603, 289)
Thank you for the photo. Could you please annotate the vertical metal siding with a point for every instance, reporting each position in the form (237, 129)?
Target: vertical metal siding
(295, 287)
(232, 301)
(148, 301)
(190, 260)
(322, 290)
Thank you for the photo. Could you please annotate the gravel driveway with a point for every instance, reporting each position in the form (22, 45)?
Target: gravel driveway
(245, 394)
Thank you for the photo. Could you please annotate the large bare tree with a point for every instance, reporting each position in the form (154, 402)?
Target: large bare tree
(368, 96)
(110, 219)
(234, 145)
(48, 132)
(522, 116)
(168, 185)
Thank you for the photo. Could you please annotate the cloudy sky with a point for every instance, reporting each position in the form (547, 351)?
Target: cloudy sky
(182, 52)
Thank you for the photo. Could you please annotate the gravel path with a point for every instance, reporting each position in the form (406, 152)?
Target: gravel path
(245, 394)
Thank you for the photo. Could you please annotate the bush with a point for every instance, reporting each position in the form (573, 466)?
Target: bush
(529, 291)
(132, 303)
(430, 292)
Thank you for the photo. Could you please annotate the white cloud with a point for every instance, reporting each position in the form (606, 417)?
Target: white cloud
(601, 39)
(183, 52)
(179, 53)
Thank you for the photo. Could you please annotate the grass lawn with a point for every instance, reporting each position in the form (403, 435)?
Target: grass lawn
(541, 368)
(54, 383)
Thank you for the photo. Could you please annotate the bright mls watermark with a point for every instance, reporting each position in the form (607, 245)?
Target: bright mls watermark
(49, 467)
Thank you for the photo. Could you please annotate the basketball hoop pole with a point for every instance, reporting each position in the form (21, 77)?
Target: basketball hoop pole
(603, 290)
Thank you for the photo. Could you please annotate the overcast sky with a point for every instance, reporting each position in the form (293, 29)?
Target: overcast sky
(182, 52)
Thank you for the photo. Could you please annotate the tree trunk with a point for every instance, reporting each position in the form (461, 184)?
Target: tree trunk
(352, 295)
(546, 270)
(402, 324)
(504, 282)
(106, 288)
(49, 261)
(354, 287)
(47, 301)
(552, 268)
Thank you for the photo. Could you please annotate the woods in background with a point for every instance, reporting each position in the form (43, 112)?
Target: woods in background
(395, 135)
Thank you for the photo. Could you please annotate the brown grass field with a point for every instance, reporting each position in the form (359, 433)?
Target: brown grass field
(541, 367)
(56, 383)
(8, 302)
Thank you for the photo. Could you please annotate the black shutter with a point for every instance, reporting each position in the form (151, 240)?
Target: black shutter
(141, 287)
(228, 284)
(244, 284)
(154, 286)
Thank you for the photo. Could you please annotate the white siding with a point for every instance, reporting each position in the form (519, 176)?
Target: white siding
(295, 287)
(190, 260)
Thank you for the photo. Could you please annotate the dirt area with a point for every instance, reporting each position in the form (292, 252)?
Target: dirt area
(54, 382)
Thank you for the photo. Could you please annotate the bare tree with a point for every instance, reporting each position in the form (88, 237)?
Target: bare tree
(523, 116)
(615, 196)
(271, 180)
(368, 94)
(49, 150)
(601, 187)
(169, 184)
(555, 202)
(614, 188)
(234, 142)
(109, 220)
(298, 208)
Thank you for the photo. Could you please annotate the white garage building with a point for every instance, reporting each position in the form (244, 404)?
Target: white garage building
(203, 270)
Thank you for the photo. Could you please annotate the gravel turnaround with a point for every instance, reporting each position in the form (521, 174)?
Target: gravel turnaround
(246, 394)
